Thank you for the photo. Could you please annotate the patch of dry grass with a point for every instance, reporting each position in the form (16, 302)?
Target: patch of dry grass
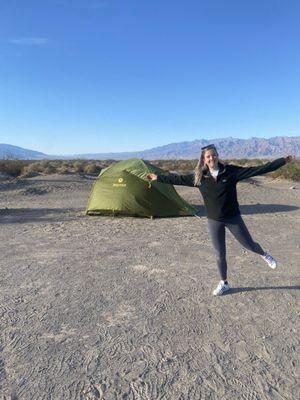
(27, 168)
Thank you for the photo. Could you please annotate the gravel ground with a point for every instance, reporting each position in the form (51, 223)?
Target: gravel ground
(121, 308)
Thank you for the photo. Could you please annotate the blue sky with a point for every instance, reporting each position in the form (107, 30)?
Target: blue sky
(81, 76)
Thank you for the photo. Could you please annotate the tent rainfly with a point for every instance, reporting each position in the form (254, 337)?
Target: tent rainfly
(123, 189)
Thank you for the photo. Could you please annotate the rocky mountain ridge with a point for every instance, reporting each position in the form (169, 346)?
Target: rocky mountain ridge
(228, 148)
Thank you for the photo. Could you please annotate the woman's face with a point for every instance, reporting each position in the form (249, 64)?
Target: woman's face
(211, 158)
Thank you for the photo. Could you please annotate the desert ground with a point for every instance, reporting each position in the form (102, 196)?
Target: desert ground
(122, 308)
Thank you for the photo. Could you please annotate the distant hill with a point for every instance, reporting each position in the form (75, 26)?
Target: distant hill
(228, 148)
(9, 152)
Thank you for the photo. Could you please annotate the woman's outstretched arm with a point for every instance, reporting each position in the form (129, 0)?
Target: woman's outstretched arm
(173, 179)
(247, 172)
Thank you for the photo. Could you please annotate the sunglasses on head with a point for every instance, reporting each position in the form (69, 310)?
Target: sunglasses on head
(209, 146)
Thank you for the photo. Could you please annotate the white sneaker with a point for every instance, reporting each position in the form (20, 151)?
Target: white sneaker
(272, 263)
(221, 288)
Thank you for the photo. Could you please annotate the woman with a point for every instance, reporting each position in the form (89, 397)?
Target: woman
(217, 184)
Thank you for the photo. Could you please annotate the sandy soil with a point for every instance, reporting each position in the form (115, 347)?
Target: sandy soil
(121, 308)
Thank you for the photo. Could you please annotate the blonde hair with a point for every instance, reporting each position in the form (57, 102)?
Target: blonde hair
(200, 166)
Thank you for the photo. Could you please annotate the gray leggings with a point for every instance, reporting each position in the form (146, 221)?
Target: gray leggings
(237, 227)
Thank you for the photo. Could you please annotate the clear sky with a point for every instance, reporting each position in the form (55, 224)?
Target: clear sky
(81, 76)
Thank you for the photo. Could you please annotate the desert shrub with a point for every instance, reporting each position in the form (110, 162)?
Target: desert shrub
(31, 169)
(66, 164)
(13, 168)
(290, 171)
(37, 167)
(43, 165)
(92, 168)
(50, 169)
(64, 167)
(63, 170)
(78, 166)
(180, 166)
(56, 163)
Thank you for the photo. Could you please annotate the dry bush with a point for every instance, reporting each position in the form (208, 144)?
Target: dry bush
(179, 166)
(290, 171)
(68, 164)
(78, 166)
(43, 165)
(12, 168)
(46, 167)
(92, 168)
(31, 169)
(50, 169)
(63, 170)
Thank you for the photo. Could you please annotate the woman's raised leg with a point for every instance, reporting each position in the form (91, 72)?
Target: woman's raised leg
(238, 228)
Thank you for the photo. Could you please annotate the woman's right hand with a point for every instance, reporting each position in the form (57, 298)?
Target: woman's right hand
(151, 177)
(289, 158)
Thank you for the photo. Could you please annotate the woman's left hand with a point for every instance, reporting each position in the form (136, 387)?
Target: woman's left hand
(289, 158)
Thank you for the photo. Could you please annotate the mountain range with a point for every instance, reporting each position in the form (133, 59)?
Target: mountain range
(228, 148)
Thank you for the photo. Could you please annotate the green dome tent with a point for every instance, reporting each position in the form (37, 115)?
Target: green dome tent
(123, 189)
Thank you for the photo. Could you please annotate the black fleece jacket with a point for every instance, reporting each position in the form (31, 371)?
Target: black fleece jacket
(219, 195)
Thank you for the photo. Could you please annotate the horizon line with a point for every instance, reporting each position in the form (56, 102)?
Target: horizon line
(147, 149)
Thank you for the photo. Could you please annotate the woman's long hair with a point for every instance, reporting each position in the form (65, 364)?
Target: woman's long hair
(201, 167)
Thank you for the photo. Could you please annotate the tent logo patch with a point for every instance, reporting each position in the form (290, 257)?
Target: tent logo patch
(120, 183)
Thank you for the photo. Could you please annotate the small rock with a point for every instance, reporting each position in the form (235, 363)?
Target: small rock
(292, 187)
